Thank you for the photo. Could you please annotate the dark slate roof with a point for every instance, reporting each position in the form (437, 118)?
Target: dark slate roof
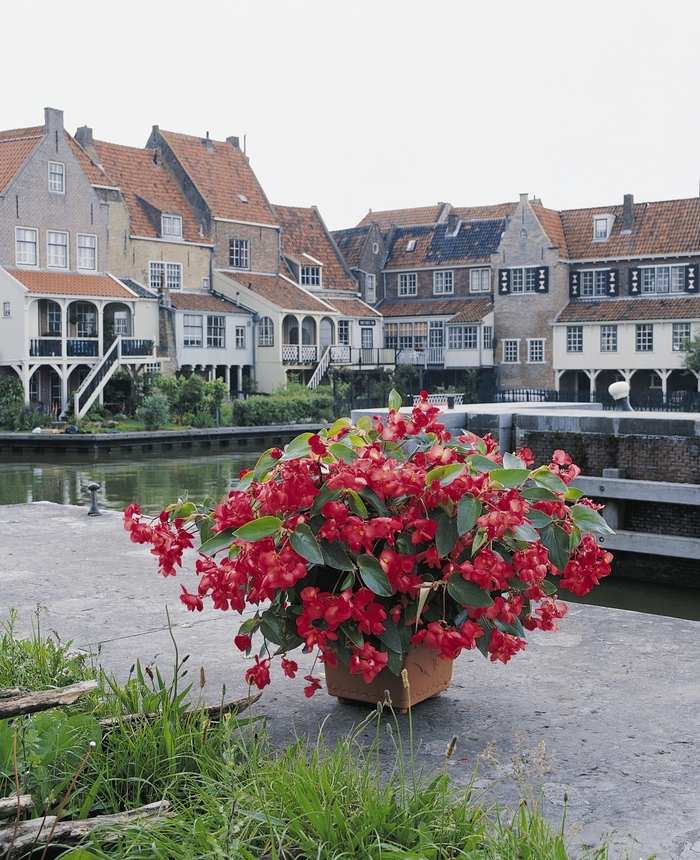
(350, 242)
(139, 289)
(474, 243)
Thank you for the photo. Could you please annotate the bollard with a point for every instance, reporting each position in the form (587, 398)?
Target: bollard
(94, 510)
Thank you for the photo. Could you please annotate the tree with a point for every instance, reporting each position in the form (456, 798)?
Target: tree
(691, 348)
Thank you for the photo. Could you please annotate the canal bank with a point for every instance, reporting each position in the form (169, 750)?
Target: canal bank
(614, 696)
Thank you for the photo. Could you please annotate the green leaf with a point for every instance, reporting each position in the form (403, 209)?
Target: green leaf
(395, 400)
(482, 464)
(444, 474)
(250, 625)
(395, 662)
(342, 452)
(205, 532)
(544, 478)
(348, 582)
(356, 441)
(509, 477)
(480, 539)
(271, 628)
(574, 538)
(256, 530)
(423, 595)
(525, 532)
(357, 506)
(589, 520)
(515, 628)
(335, 556)
(468, 512)
(340, 424)
(549, 587)
(468, 593)
(404, 544)
(446, 535)
(538, 518)
(390, 637)
(221, 540)
(373, 576)
(573, 493)
(298, 447)
(305, 543)
(370, 496)
(324, 495)
(539, 494)
(365, 424)
(510, 461)
(482, 642)
(557, 542)
(353, 634)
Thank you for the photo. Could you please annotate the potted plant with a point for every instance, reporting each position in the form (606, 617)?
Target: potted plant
(368, 543)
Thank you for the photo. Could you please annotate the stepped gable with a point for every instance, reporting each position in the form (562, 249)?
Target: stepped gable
(16, 145)
(663, 227)
(630, 310)
(148, 190)
(277, 290)
(70, 284)
(223, 176)
(305, 235)
(475, 242)
(406, 217)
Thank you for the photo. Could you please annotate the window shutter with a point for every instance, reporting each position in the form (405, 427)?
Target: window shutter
(691, 279)
(503, 281)
(542, 278)
(574, 284)
(614, 282)
(634, 282)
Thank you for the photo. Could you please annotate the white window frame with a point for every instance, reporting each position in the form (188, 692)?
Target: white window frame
(574, 338)
(523, 280)
(192, 330)
(681, 332)
(436, 334)
(602, 227)
(206, 284)
(54, 318)
(608, 338)
(644, 337)
(238, 253)
(86, 319)
(171, 226)
(240, 337)
(123, 326)
(370, 288)
(420, 334)
(57, 185)
(535, 350)
(480, 280)
(6, 309)
(594, 282)
(367, 338)
(173, 276)
(408, 282)
(266, 332)
(391, 335)
(405, 335)
(662, 280)
(310, 276)
(443, 283)
(25, 242)
(216, 331)
(51, 256)
(511, 351)
(82, 246)
(344, 332)
(172, 272)
(487, 337)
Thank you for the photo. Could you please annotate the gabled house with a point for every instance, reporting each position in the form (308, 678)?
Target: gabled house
(66, 323)
(412, 217)
(364, 249)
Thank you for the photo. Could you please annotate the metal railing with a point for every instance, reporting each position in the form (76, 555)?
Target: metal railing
(321, 369)
(83, 348)
(45, 347)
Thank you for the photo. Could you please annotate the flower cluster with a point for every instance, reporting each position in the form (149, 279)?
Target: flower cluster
(365, 540)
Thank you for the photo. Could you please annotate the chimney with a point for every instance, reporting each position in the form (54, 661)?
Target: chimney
(627, 213)
(523, 197)
(84, 136)
(452, 223)
(53, 120)
(234, 141)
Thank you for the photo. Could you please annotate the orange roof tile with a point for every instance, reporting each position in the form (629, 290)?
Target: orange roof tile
(404, 217)
(16, 145)
(350, 242)
(303, 232)
(141, 179)
(90, 168)
(277, 290)
(550, 220)
(70, 284)
(664, 227)
(474, 310)
(222, 174)
(484, 213)
(351, 307)
(433, 307)
(631, 309)
(206, 302)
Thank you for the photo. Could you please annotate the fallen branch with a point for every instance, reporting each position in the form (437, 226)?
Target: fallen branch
(212, 713)
(68, 832)
(9, 805)
(8, 692)
(30, 703)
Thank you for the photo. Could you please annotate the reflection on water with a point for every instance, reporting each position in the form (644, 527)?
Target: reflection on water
(153, 482)
(158, 480)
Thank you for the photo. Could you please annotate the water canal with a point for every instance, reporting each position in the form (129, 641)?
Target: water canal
(158, 479)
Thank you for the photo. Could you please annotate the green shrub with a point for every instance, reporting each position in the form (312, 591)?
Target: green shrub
(299, 406)
(155, 411)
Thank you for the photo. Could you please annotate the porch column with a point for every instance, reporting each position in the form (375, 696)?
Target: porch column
(664, 375)
(557, 378)
(100, 330)
(64, 374)
(239, 382)
(227, 377)
(592, 376)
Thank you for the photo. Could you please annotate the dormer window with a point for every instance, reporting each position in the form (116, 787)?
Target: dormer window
(602, 227)
(171, 225)
(311, 276)
(411, 246)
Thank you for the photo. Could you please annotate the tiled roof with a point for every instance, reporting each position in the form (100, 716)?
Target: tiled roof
(550, 220)
(148, 190)
(70, 284)
(484, 213)
(278, 290)
(430, 307)
(303, 232)
(404, 217)
(474, 310)
(95, 175)
(351, 242)
(205, 302)
(352, 307)
(139, 289)
(16, 145)
(631, 309)
(665, 227)
(222, 175)
(474, 243)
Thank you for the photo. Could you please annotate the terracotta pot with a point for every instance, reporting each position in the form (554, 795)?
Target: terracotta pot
(428, 676)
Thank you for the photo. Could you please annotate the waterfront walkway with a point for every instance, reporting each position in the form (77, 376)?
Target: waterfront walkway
(614, 697)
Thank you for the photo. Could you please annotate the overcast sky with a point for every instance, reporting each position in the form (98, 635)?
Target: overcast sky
(381, 104)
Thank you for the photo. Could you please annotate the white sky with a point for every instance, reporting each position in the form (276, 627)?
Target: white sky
(382, 104)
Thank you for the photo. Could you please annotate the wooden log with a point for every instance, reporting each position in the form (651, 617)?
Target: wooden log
(211, 713)
(30, 703)
(68, 832)
(8, 805)
(7, 692)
